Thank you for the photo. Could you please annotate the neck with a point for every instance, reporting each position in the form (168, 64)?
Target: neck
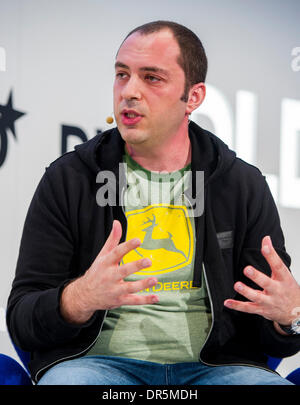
(169, 156)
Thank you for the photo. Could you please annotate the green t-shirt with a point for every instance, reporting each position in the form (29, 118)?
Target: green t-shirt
(174, 329)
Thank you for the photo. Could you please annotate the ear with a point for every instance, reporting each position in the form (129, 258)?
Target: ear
(196, 96)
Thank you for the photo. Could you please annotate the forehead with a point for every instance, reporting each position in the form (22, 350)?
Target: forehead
(156, 48)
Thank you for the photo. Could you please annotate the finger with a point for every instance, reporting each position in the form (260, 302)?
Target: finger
(261, 279)
(113, 238)
(131, 287)
(253, 295)
(134, 299)
(249, 307)
(129, 268)
(277, 266)
(117, 254)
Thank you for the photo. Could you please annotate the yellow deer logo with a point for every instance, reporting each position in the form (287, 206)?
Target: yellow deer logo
(167, 237)
(157, 243)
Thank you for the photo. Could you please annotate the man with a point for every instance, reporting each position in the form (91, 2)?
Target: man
(154, 288)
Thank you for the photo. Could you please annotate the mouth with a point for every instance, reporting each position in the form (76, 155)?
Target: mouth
(130, 117)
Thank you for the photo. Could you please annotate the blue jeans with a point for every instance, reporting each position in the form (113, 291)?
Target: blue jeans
(107, 370)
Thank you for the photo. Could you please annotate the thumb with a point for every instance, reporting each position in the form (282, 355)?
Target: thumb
(113, 240)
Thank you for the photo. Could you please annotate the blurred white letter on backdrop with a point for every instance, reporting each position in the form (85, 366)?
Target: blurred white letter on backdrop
(2, 59)
(289, 148)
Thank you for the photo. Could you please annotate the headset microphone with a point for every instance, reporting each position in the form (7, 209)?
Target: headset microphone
(109, 120)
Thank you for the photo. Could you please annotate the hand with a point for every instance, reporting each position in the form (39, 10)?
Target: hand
(280, 295)
(103, 286)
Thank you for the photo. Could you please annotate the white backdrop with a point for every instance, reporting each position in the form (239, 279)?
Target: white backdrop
(56, 67)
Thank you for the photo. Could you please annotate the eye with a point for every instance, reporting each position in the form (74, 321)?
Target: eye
(121, 75)
(152, 79)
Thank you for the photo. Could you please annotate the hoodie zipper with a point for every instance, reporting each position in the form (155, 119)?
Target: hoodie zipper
(212, 324)
(212, 316)
(209, 333)
(73, 355)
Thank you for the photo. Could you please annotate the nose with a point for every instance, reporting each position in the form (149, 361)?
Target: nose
(131, 89)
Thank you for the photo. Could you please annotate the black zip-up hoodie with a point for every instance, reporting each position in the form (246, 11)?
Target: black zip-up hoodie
(65, 229)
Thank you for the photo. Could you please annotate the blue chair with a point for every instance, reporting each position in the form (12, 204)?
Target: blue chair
(12, 373)
(293, 377)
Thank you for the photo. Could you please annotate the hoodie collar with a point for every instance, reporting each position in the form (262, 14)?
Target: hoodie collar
(209, 154)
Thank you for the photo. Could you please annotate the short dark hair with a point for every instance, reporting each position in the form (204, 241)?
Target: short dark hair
(192, 56)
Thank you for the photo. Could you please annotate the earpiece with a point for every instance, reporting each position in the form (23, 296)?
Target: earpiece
(109, 120)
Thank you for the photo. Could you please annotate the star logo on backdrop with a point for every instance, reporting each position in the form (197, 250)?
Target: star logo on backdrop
(8, 116)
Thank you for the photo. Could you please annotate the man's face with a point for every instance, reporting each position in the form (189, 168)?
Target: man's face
(147, 89)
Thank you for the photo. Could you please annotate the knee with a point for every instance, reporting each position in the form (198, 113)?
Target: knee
(63, 374)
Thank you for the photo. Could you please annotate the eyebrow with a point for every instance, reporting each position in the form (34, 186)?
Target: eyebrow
(155, 69)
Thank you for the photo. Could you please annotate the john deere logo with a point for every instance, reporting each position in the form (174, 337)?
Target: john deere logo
(166, 234)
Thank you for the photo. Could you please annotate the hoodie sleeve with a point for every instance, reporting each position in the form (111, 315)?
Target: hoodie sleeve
(265, 221)
(43, 268)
